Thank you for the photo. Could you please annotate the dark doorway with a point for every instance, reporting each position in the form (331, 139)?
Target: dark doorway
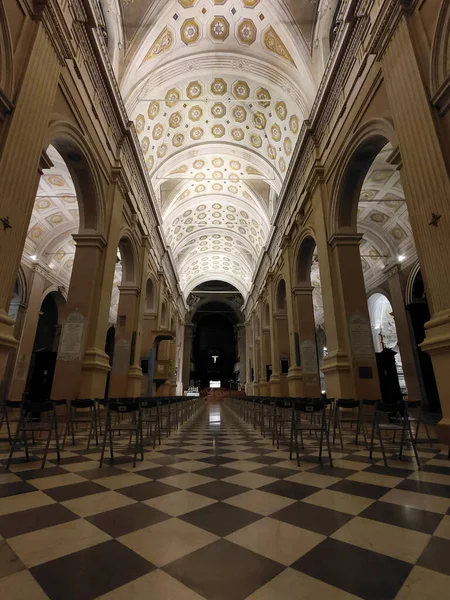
(43, 359)
(419, 314)
(215, 344)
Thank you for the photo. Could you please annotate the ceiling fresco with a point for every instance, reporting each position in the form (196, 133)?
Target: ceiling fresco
(218, 91)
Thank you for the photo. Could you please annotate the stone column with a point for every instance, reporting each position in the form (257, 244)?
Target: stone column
(255, 357)
(425, 179)
(82, 364)
(29, 333)
(275, 380)
(307, 347)
(353, 326)
(189, 331)
(125, 343)
(179, 360)
(242, 345)
(294, 377)
(406, 342)
(19, 167)
(249, 355)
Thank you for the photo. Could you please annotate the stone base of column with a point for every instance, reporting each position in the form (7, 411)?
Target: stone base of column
(437, 344)
(172, 388)
(94, 371)
(295, 382)
(263, 387)
(249, 389)
(256, 389)
(7, 340)
(275, 386)
(134, 383)
(338, 375)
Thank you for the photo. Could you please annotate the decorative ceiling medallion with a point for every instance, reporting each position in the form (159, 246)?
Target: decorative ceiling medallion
(153, 109)
(158, 131)
(140, 123)
(241, 90)
(293, 124)
(263, 96)
(378, 217)
(218, 86)
(194, 90)
(275, 132)
(217, 162)
(259, 120)
(239, 113)
(199, 176)
(288, 146)
(218, 131)
(187, 3)
(282, 165)
(252, 171)
(255, 140)
(180, 169)
(56, 219)
(273, 43)
(175, 119)
(237, 134)
(162, 44)
(161, 151)
(232, 189)
(281, 110)
(199, 164)
(42, 204)
(217, 187)
(233, 177)
(196, 113)
(178, 140)
(56, 180)
(150, 163)
(145, 145)
(172, 97)
(190, 32)
(219, 29)
(199, 190)
(246, 32)
(235, 165)
(196, 133)
(217, 175)
(398, 233)
(218, 110)
(250, 3)
(271, 152)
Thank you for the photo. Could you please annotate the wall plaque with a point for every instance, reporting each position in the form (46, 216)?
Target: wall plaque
(308, 355)
(71, 341)
(360, 337)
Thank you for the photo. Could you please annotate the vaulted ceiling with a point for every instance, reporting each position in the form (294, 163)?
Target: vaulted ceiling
(218, 91)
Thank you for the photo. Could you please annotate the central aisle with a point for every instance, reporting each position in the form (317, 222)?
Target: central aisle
(218, 513)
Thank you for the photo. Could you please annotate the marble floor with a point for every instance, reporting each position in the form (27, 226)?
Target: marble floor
(217, 513)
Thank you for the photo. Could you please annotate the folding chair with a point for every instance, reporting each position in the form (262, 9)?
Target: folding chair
(88, 417)
(35, 417)
(130, 408)
(310, 407)
(395, 417)
(341, 417)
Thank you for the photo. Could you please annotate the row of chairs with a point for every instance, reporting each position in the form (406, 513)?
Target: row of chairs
(319, 415)
(93, 418)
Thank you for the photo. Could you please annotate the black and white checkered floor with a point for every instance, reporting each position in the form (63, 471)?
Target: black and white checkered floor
(218, 513)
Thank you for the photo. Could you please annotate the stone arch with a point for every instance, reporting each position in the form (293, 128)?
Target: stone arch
(266, 316)
(7, 71)
(409, 288)
(440, 60)
(83, 166)
(150, 295)
(301, 268)
(351, 170)
(129, 259)
(280, 296)
(164, 319)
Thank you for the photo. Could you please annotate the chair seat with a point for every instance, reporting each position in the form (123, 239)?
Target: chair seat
(390, 427)
(124, 427)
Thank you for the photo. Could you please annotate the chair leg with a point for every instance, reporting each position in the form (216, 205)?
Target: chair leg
(380, 437)
(372, 436)
(105, 435)
(413, 443)
(47, 445)
(327, 437)
(13, 445)
(111, 451)
(95, 425)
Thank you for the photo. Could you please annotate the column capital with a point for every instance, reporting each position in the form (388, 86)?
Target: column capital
(345, 239)
(392, 269)
(300, 290)
(129, 290)
(89, 240)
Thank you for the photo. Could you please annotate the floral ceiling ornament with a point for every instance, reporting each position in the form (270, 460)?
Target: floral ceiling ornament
(162, 44)
(219, 29)
(246, 32)
(273, 43)
(190, 32)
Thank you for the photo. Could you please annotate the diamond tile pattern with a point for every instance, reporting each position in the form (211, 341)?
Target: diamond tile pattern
(218, 513)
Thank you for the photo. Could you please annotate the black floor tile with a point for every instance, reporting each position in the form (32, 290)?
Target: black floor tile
(220, 518)
(403, 516)
(311, 517)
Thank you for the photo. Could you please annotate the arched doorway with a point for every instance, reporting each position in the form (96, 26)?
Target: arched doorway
(215, 347)
(45, 349)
